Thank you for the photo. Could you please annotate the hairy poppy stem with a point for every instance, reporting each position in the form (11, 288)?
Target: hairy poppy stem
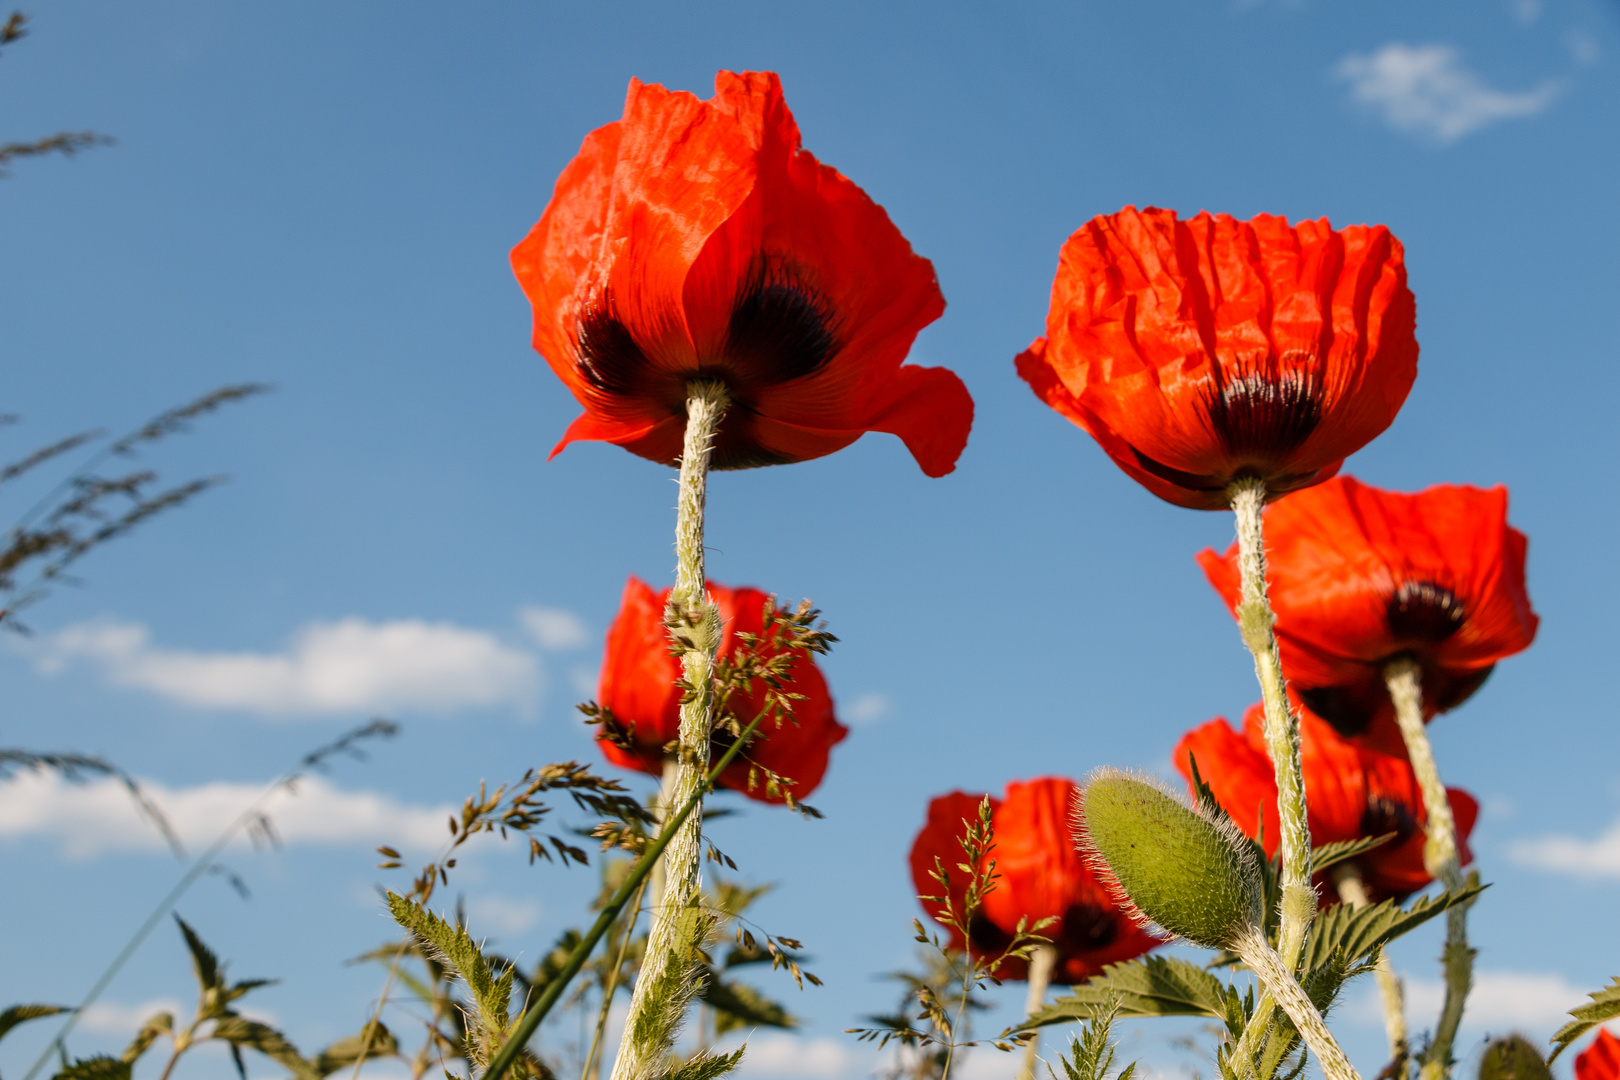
(1404, 679)
(664, 985)
(1041, 963)
(1353, 891)
(1281, 986)
(1255, 620)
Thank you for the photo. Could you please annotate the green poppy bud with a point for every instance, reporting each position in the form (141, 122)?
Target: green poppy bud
(1513, 1058)
(1194, 877)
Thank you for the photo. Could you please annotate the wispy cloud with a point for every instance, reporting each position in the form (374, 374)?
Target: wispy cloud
(1534, 1001)
(346, 667)
(795, 1056)
(553, 628)
(111, 1018)
(866, 709)
(92, 819)
(494, 914)
(1595, 858)
(1427, 92)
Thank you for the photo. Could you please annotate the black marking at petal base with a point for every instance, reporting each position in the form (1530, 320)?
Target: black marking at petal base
(1264, 410)
(781, 328)
(1345, 710)
(986, 937)
(1385, 815)
(1453, 691)
(1190, 481)
(1085, 928)
(1424, 611)
(606, 353)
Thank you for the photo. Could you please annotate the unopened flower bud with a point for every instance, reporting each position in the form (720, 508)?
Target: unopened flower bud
(1192, 876)
(1513, 1058)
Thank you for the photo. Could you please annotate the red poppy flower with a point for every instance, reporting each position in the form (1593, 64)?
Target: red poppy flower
(1042, 876)
(1360, 576)
(696, 239)
(1351, 791)
(1198, 352)
(1601, 1060)
(638, 687)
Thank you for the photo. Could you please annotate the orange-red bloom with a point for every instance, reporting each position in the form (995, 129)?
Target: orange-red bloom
(1198, 352)
(696, 239)
(1601, 1060)
(1352, 790)
(1360, 576)
(638, 687)
(1042, 876)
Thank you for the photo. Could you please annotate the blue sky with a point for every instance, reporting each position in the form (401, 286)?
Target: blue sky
(323, 198)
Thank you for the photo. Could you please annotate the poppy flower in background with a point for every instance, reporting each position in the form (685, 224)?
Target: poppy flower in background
(1360, 576)
(1601, 1060)
(1203, 351)
(638, 687)
(696, 240)
(1352, 791)
(1042, 876)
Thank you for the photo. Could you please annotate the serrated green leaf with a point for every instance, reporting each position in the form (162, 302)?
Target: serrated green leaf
(452, 944)
(1605, 1005)
(738, 1005)
(204, 963)
(100, 1067)
(1151, 986)
(709, 1066)
(1339, 850)
(1356, 932)
(19, 1014)
(160, 1024)
(345, 1052)
(240, 1031)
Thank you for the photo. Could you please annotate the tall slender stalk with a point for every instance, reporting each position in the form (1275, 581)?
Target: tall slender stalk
(1041, 962)
(665, 984)
(1353, 891)
(532, 1016)
(1281, 986)
(1403, 676)
(1255, 621)
(591, 1070)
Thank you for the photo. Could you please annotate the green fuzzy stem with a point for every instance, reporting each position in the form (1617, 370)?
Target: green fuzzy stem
(1404, 679)
(1255, 620)
(667, 979)
(1281, 985)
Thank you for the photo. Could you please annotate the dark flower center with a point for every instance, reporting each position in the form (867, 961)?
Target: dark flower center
(1384, 815)
(1085, 928)
(985, 936)
(1424, 611)
(1264, 411)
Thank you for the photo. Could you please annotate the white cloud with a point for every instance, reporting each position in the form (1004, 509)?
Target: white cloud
(344, 667)
(1425, 91)
(1538, 1002)
(1597, 858)
(492, 914)
(553, 628)
(866, 709)
(89, 819)
(111, 1018)
(1583, 47)
(1526, 11)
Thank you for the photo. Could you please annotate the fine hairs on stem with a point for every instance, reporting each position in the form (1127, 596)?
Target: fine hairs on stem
(1404, 679)
(667, 980)
(1353, 891)
(1284, 989)
(1255, 621)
